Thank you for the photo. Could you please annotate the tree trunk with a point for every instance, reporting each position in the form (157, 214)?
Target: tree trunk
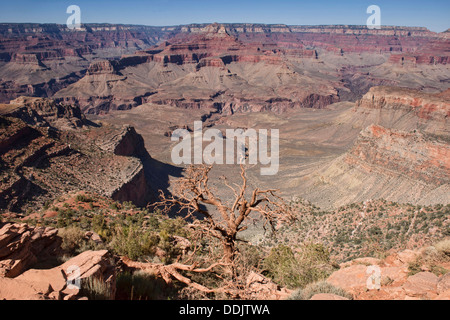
(229, 250)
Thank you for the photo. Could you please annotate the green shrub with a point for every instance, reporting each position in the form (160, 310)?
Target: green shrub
(315, 264)
(100, 226)
(153, 223)
(72, 239)
(114, 206)
(84, 198)
(47, 204)
(282, 266)
(174, 226)
(133, 243)
(311, 264)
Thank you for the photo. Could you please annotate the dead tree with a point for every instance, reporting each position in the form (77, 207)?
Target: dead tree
(192, 195)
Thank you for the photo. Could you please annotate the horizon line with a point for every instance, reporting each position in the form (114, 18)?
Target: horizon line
(226, 23)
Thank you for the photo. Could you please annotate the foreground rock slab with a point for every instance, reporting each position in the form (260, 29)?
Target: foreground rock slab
(57, 284)
(21, 246)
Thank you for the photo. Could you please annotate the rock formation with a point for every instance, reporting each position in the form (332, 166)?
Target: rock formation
(22, 246)
(43, 112)
(407, 154)
(54, 150)
(393, 279)
(401, 153)
(386, 164)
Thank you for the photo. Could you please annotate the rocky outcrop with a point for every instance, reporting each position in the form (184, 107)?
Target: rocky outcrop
(261, 288)
(421, 284)
(127, 142)
(72, 280)
(42, 162)
(236, 104)
(28, 59)
(102, 67)
(22, 246)
(391, 278)
(134, 187)
(413, 60)
(45, 112)
(123, 142)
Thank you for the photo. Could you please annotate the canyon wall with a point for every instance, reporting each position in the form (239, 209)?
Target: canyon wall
(53, 61)
(45, 157)
(404, 109)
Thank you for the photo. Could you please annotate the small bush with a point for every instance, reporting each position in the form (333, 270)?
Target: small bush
(133, 243)
(114, 206)
(100, 226)
(318, 287)
(95, 289)
(311, 264)
(47, 204)
(282, 266)
(72, 239)
(83, 198)
(414, 267)
(443, 247)
(174, 226)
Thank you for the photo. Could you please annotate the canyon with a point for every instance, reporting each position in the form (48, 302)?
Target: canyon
(86, 125)
(345, 96)
(226, 66)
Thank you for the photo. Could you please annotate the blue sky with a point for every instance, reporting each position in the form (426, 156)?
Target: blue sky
(433, 14)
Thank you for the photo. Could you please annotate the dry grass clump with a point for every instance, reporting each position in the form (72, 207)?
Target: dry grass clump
(318, 287)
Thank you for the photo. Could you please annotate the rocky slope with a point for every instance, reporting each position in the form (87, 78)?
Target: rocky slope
(401, 154)
(370, 228)
(408, 154)
(43, 112)
(404, 109)
(385, 164)
(48, 149)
